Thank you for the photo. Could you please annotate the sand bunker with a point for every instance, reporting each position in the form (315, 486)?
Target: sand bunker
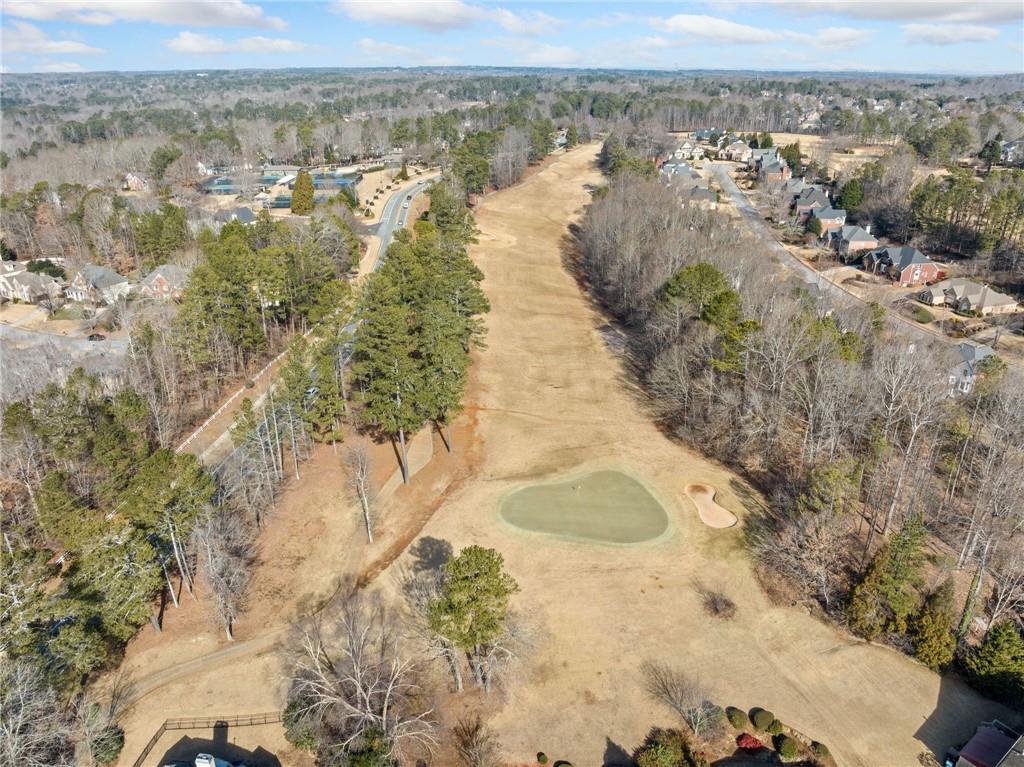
(605, 506)
(711, 514)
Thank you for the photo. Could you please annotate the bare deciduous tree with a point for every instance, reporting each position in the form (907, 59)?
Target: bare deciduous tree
(353, 679)
(475, 743)
(357, 480)
(225, 543)
(34, 730)
(683, 693)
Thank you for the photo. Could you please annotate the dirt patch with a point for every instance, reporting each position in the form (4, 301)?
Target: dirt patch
(711, 514)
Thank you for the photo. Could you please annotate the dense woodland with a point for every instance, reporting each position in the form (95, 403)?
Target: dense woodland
(896, 509)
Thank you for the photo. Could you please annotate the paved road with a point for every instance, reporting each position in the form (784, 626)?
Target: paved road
(212, 440)
(794, 265)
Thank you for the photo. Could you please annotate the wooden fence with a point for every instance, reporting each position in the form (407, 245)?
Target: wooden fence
(206, 723)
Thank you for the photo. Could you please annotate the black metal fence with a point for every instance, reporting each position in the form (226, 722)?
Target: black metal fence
(206, 723)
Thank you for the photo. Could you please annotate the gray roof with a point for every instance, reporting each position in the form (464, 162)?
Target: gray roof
(975, 353)
(902, 257)
(828, 213)
(244, 215)
(854, 234)
(100, 276)
(812, 194)
(174, 274)
(35, 282)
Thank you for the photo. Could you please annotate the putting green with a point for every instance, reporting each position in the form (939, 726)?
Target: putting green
(605, 506)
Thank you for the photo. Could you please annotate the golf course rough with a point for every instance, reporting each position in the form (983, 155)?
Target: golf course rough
(603, 506)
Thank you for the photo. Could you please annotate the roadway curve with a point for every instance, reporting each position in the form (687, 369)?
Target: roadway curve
(211, 441)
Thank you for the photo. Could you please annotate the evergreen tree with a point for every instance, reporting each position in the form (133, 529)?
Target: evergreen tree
(387, 375)
(765, 141)
(996, 667)
(991, 153)
(472, 608)
(302, 194)
(328, 407)
(851, 195)
(934, 641)
(572, 136)
(884, 598)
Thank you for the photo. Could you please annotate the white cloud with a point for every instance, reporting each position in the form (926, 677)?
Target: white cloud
(432, 15)
(58, 66)
(22, 37)
(961, 11)
(530, 53)
(948, 34)
(380, 52)
(195, 44)
(833, 38)
(444, 15)
(715, 30)
(528, 23)
(197, 13)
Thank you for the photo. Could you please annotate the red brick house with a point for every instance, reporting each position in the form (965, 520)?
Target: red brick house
(165, 283)
(832, 219)
(906, 265)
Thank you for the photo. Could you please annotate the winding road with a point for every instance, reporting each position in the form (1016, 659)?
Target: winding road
(211, 441)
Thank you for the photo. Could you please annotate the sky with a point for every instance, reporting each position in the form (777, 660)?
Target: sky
(931, 36)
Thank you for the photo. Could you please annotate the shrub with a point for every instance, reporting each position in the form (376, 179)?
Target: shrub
(737, 717)
(719, 605)
(761, 718)
(301, 731)
(748, 742)
(819, 749)
(922, 315)
(106, 746)
(542, 758)
(775, 728)
(786, 746)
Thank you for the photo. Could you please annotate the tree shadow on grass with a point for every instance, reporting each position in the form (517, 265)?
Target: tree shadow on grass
(430, 554)
(615, 755)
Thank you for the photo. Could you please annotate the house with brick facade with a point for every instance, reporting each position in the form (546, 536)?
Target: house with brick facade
(832, 219)
(807, 200)
(850, 242)
(97, 284)
(904, 265)
(165, 283)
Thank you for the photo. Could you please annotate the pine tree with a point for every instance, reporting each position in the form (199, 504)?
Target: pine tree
(328, 407)
(884, 598)
(996, 667)
(302, 194)
(472, 608)
(572, 136)
(934, 641)
(387, 376)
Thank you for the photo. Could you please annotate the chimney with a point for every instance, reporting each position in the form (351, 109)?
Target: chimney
(867, 228)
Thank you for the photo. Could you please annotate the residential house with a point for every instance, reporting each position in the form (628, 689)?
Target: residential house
(961, 377)
(760, 156)
(28, 287)
(165, 283)
(795, 187)
(97, 284)
(963, 295)
(906, 265)
(704, 134)
(851, 241)
(774, 172)
(134, 183)
(702, 198)
(994, 744)
(832, 219)
(10, 267)
(738, 151)
(810, 198)
(1012, 152)
(243, 215)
